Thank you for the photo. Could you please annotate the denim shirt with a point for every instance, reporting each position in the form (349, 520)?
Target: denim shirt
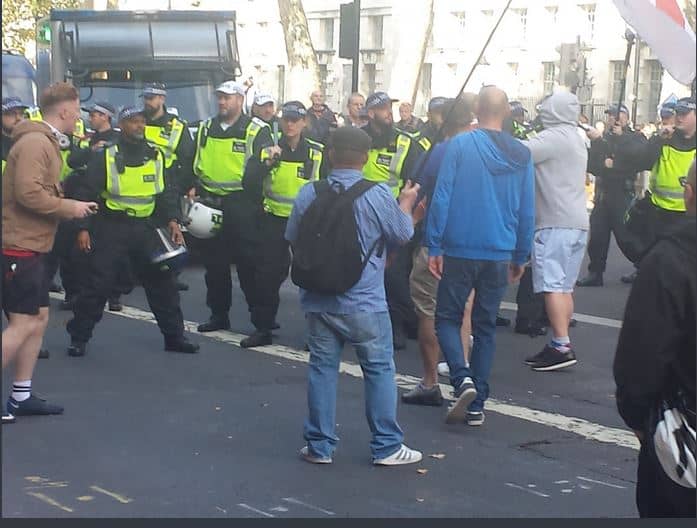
(378, 217)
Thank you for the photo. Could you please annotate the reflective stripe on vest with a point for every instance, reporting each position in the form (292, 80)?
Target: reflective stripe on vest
(33, 114)
(220, 162)
(284, 182)
(65, 168)
(666, 190)
(386, 167)
(166, 138)
(4, 164)
(133, 191)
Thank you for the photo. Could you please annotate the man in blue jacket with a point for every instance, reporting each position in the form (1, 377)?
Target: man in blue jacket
(479, 234)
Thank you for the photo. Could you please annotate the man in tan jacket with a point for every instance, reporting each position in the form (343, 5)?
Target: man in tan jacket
(32, 206)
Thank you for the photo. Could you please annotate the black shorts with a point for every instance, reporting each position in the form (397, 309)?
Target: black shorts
(24, 284)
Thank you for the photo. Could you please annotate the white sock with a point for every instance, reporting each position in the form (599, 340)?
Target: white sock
(21, 390)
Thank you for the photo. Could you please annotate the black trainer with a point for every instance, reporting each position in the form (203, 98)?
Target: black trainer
(44, 353)
(629, 279)
(552, 358)
(592, 279)
(67, 304)
(77, 349)
(8, 418)
(420, 395)
(502, 321)
(464, 395)
(530, 329)
(181, 286)
(257, 338)
(115, 304)
(32, 406)
(474, 418)
(54, 287)
(181, 345)
(216, 322)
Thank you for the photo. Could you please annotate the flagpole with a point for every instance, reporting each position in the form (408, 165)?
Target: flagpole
(623, 86)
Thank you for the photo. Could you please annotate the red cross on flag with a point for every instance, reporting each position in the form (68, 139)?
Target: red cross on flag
(663, 26)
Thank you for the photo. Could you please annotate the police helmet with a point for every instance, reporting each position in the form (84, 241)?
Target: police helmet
(201, 220)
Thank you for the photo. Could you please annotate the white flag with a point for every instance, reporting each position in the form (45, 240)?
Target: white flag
(663, 26)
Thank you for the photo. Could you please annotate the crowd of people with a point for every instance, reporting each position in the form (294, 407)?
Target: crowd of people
(391, 229)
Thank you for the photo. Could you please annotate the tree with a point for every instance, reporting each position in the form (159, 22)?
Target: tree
(303, 68)
(690, 13)
(19, 19)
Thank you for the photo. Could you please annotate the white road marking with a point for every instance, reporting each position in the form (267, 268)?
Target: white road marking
(252, 509)
(586, 479)
(581, 318)
(119, 498)
(522, 488)
(571, 424)
(291, 500)
(49, 500)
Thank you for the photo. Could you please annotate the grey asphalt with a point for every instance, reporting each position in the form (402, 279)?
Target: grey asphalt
(148, 433)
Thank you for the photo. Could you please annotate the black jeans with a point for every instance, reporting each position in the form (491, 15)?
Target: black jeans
(399, 301)
(607, 218)
(114, 239)
(531, 305)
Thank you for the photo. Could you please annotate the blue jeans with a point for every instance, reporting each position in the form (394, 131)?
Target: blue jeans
(371, 336)
(489, 279)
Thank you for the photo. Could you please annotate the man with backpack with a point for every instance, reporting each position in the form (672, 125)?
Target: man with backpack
(340, 230)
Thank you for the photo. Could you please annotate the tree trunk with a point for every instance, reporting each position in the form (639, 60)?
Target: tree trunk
(412, 33)
(303, 68)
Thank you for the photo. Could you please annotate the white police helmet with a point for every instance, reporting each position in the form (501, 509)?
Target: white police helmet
(202, 221)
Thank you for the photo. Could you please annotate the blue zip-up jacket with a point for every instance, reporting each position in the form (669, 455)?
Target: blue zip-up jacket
(483, 207)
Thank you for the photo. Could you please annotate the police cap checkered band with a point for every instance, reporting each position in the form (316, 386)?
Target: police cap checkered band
(231, 88)
(103, 108)
(436, 102)
(129, 111)
(612, 109)
(378, 99)
(262, 99)
(10, 103)
(293, 110)
(155, 89)
(685, 105)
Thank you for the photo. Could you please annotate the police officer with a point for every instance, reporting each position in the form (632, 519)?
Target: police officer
(435, 116)
(669, 155)
(392, 160)
(136, 197)
(229, 147)
(12, 113)
(613, 159)
(172, 136)
(297, 161)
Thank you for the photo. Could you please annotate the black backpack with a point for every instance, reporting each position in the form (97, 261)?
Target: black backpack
(327, 255)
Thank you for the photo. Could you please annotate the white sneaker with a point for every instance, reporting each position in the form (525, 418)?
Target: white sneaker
(443, 369)
(471, 341)
(404, 455)
(309, 457)
(464, 395)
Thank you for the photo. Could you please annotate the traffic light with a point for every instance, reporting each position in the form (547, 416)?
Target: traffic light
(43, 33)
(348, 31)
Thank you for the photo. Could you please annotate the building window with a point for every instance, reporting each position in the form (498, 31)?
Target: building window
(589, 13)
(553, 12)
(374, 33)
(616, 75)
(367, 80)
(323, 76)
(549, 72)
(326, 34)
(522, 27)
(461, 19)
(655, 84)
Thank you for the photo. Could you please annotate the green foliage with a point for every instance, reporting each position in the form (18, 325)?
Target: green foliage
(19, 19)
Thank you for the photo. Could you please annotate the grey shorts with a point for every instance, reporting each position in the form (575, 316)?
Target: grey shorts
(557, 254)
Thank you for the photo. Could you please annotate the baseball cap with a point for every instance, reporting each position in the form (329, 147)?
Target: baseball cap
(155, 88)
(350, 138)
(263, 98)
(293, 110)
(685, 105)
(612, 109)
(130, 111)
(103, 108)
(517, 108)
(667, 110)
(436, 103)
(231, 88)
(378, 99)
(10, 103)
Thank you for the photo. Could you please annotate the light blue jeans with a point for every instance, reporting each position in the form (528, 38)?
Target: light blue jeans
(371, 336)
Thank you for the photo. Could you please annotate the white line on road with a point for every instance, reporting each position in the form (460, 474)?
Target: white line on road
(571, 424)
(291, 500)
(583, 318)
(522, 488)
(49, 500)
(601, 483)
(252, 509)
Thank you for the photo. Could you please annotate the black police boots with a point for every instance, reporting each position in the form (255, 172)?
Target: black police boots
(77, 349)
(216, 322)
(592, 279)
(258, 338)
(181, 345)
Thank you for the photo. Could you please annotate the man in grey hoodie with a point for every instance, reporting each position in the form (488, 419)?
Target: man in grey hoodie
(561, 221)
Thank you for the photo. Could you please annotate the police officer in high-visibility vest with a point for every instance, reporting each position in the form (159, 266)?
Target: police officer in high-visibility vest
(264, 107)
(128, 178)
(297, 161)
(12, 113)
(668, 156)
(392, 160)
(229, 147)
(171, 134)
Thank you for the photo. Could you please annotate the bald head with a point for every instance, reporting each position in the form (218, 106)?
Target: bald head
(493, 108)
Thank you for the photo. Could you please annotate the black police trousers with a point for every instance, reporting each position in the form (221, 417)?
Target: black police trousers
(235, 244)
(397, 290)
(531, 305)
(607, 218)
(272, 266)
(114, 238)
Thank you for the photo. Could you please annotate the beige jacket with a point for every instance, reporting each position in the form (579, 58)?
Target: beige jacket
(32, 202)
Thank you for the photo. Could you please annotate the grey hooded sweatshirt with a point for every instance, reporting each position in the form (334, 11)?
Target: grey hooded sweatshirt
(560, 159)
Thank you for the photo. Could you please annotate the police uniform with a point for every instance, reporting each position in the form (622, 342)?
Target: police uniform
(293, 170)
(224, 157)
(128, 178)
(392, 160)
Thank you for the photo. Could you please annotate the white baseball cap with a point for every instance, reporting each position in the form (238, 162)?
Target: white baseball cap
(231, 88)
(263, 98)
